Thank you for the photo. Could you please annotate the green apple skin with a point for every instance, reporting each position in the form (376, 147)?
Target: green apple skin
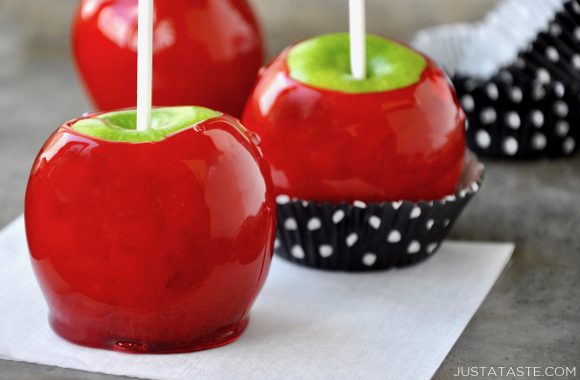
(324, 62)
(122, 125)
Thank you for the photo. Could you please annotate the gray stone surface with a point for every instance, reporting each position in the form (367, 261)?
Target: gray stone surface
(531, 317)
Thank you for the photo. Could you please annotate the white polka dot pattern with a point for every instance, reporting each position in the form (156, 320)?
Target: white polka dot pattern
(516, 94)
(552, 54)
(483, 139)
(467, 102)
(415, 213)
(510, 146)
(314, 224)
(431, 248)
(488, 115)
(369, 259)
(338, 216)
(298, 252)
(414, 247)
(539, 141)
(569, 145)
(282, 199)
(325, 250)
(538, 93)
(513, 120)
(351, 239)
(576, 61)
(492, 91)
(559, 89)
(555, 30)
(562, 128)
(537, 118)
(394, 236)
(543, 76)
(290, 224)
(561, 109)
(375, 222)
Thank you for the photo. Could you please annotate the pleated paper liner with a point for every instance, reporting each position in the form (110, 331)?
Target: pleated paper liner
(361, 237)
(506, 31)
(529, 120)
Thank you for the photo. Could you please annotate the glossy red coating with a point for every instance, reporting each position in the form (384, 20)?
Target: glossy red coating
(151, 247)
(323, 145)
(206, 53)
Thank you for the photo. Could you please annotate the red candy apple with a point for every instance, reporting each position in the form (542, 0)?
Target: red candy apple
(154, 241)
(397, 135)
(206, 52)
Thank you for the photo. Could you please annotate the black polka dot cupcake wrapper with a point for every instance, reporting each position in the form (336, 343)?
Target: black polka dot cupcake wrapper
(362, 236)
(520, 119)
(524, 105)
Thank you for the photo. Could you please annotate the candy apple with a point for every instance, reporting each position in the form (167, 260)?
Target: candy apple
(396, 135)
(153, 241)
(205, 52)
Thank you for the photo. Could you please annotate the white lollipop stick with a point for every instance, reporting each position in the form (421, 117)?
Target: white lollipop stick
(358, 51)
(144, 64)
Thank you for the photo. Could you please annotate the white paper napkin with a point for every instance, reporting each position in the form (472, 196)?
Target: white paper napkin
(309, 324)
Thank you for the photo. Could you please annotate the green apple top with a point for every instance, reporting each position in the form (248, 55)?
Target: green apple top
(122, 125)
(324, 62)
